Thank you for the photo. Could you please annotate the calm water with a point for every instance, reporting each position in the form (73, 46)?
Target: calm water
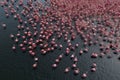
(18, 66)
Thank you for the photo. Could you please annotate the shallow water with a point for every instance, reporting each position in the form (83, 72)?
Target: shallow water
(18, 66)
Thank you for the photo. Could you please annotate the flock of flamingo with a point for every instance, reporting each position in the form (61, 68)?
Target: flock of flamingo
(43, 24)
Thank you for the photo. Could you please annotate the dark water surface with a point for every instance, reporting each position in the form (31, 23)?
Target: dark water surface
(18, 66)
